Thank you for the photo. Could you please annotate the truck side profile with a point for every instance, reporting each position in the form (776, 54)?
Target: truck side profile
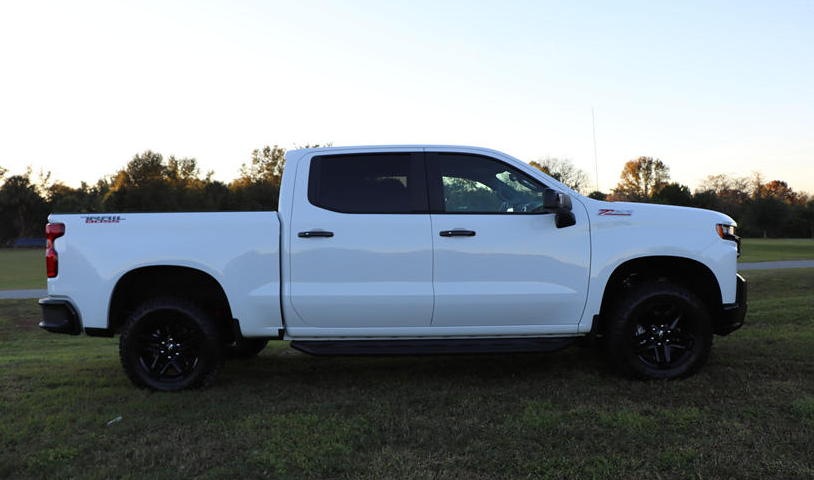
(387, 250)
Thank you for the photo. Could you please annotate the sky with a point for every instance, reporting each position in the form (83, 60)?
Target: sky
(708, 87)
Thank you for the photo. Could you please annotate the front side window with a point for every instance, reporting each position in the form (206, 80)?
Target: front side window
(367, 183)
(475, 184)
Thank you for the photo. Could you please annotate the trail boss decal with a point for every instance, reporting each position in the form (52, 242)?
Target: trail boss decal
(103, 219)
(609, 212)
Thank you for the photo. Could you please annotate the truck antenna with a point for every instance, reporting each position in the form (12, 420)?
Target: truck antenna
(596, 164)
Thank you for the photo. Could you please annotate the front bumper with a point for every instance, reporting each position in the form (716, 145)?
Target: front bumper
(59, 316)
(732, 314)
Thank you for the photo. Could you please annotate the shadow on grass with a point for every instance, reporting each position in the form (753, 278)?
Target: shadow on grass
(485, 369)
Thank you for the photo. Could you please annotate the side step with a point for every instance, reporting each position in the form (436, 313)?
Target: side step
(464, 346)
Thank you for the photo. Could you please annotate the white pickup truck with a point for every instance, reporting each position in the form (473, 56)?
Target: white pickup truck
(392, 250)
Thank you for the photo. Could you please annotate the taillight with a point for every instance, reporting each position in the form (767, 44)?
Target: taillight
(52, 232)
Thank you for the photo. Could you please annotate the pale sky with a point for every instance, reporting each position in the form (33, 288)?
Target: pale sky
(708, 87)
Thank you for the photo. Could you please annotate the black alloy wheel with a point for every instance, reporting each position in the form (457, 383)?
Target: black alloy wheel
(659, 337)
(170, 344)
(659, 330)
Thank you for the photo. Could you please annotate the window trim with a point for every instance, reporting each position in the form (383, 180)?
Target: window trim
(419, 199)
(435, 184)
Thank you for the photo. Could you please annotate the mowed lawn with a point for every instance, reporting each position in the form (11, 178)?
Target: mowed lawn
(748, 414)
(22, 268)
(776, 249)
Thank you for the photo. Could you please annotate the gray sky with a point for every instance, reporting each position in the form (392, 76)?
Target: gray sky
(709, 87)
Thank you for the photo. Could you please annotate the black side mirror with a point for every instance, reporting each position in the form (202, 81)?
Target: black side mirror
(565, 201)
(560, 204)
(551, 199)
(564, 218)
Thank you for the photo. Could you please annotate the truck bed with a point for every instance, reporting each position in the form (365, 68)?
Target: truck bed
(240, 250)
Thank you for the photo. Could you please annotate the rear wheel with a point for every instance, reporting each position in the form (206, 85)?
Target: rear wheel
(660, 330)
(170, 344)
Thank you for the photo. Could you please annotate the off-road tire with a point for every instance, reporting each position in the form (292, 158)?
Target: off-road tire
(659, 330)
(170, 344)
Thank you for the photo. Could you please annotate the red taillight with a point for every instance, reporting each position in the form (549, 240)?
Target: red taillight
(52, 232)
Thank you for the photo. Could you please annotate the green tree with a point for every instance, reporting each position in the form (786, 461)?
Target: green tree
(674, 194)
(768, 214)
(23, 211)
(808, 216)
(266, 165)
(258, 186)
(148, 183)
(597, 195)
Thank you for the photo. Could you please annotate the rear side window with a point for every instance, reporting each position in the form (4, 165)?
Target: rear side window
(368, 183)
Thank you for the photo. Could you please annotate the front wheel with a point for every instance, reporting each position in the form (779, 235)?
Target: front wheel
(659, 331)
(170, 344)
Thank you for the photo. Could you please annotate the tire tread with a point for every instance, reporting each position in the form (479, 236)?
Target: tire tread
(202, 321)
(617, 329)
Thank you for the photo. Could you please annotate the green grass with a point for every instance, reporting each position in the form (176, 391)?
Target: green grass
(748, 414)
(774, 249)
(22, 268)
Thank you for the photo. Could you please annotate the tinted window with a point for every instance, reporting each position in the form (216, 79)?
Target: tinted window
(370, 183)
(475, 184)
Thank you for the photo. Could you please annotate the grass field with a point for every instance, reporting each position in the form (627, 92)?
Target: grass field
(748, 414)
(25, 268)
(775, 249)
(22, 268)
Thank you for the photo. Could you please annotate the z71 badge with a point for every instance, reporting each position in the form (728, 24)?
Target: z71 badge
(610, 212)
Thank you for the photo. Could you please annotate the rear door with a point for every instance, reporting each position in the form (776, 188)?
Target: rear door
(361, 245)
(498, 260)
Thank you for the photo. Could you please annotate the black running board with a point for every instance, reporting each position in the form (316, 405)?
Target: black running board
(465, 346)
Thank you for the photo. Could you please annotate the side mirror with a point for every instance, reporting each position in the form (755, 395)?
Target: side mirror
(560, 204)
(565, 218)
(554, 200)
(551, 199)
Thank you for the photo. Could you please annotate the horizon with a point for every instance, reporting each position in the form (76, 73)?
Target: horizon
(708, 88)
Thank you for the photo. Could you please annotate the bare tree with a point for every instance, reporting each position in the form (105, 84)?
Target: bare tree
(564, 171)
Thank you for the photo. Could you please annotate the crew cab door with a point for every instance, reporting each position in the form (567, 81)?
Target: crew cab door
(361, 245)
(497, 261)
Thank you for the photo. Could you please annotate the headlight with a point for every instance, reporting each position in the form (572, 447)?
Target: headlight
(729, 232)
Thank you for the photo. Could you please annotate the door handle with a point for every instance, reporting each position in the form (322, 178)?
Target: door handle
(457, 233)
(315, 233)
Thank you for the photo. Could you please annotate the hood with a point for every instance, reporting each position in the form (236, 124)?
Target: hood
(634, 213)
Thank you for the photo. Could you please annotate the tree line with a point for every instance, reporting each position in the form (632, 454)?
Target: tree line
(149, 182)
(762, 208)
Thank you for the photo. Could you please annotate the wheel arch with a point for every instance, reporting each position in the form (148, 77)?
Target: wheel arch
(143, 283)
(687, 272)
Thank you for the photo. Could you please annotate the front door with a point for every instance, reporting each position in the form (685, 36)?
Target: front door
(361, 245)
(497, 261)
